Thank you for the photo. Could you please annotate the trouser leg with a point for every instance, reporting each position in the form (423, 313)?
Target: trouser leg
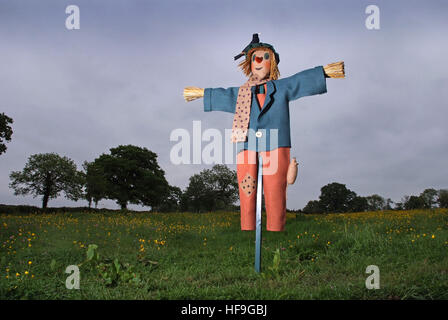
(247, 181)
(275, 169)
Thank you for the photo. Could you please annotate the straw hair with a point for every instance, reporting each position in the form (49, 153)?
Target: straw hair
(245, 65)
(335, 70)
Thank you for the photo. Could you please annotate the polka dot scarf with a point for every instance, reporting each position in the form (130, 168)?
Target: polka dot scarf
(242, 110)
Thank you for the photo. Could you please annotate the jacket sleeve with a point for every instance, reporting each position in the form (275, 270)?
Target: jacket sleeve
(305, 83)
(220, 99)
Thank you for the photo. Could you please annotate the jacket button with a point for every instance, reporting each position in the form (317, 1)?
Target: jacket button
(258, 134)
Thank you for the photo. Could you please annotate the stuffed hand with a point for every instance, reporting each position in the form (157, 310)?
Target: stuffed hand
(335, 70)
(193, 93)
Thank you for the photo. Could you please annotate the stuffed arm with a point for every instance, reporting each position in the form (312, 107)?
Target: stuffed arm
(312, 81)
(215, 99)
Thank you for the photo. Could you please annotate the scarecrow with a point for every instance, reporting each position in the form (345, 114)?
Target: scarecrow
(261, 127)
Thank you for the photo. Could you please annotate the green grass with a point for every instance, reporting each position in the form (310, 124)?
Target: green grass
(206, 256)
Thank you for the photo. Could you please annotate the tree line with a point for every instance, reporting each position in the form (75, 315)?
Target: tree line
(128, 175)
(336, 197)
(131, 175)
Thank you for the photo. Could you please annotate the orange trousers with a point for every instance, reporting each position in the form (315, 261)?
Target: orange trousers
(275, 168)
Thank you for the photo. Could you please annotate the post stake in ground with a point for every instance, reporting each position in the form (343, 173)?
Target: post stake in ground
(258, 216)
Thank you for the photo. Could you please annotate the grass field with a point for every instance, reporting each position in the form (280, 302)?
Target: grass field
(206, 256)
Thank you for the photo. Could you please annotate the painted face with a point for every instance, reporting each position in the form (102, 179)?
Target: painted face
(261, 63)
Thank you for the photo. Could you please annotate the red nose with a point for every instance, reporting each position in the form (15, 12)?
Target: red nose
(259, 59)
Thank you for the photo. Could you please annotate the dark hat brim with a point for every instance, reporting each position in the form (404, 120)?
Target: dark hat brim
(258, 45)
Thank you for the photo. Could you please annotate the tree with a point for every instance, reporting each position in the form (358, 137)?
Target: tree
(226, 185)
(199, 194)
(442, 199)
(335, 197)
(48, 175)
(172, 202)
(5, 131)
(132, 175)
(388, 205)
(429, 197)
(95, 183)
(414, 202)
(211, 189)
(358, 204)
(375, 202)
(313, 206)
(399, 206)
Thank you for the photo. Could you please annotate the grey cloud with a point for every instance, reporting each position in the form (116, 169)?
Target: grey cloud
(119, 80)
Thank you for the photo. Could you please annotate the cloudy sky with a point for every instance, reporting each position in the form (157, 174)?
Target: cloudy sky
(119, 80)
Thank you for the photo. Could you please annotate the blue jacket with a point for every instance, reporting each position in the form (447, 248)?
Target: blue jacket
(262, 134)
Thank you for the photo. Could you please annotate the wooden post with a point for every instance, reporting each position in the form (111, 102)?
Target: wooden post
(258, 216)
